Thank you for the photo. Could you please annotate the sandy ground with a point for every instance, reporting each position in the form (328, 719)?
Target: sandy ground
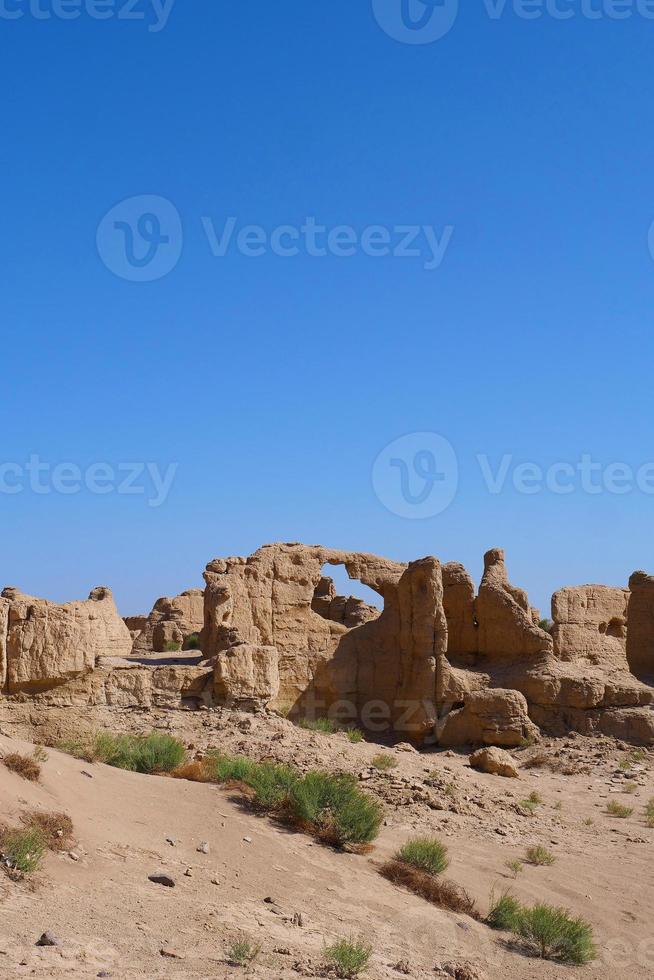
(111, 920)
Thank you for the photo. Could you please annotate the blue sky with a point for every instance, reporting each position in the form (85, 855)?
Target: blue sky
(273, 383)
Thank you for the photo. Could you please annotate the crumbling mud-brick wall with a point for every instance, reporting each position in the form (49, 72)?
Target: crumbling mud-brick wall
(44, 644)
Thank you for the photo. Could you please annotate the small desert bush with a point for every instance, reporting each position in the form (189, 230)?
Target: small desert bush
(515, 867)
(271, 785)
(348, 957)
(630, 788)
(504, 912)
(241, 953)
(425, 853)
(23, 849)
(553, 934)
(229, 769)
(23, 765)
(324, 725)
(55, 828)
(540, 856)
(529, 805)
(435, 889)
(172, 647)
(192, 642)
(80, 747)
(40, 755)
(334, 806)
(354, 734)
(615, 809)
(588, 822)
(154, 753)
(329, 805)
(649, 812)
(526, 743)
(384, 762)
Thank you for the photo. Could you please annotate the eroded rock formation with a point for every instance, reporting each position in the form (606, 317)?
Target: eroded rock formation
(44, 644)
(640, 635)
(437, 662)
(267, 601)
(171, 623)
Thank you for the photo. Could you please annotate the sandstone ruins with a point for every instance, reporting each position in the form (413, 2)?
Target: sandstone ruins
(439, 662)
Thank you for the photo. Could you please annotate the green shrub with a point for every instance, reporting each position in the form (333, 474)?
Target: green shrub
(425, 853)
(172, 647)
(241, 953)
(23, 849)
(384, 762)
(228, 769)
(515, 867)
(504, 912)
(348, 957)
(192, 642)
(649, 812)
(530, 805)
(331, 806)
(555, 935)
(271, 784)
(337, 809)
(324, 725)
(615, 809)
(540, 855)
(158, 753)
(354, 734)
(79, 748)
(138, 753)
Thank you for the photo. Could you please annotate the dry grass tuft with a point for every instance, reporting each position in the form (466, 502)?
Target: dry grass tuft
(195, 772)
(539, 760)
(56, 828)
(439, 891)
(615, 809)
(23, 765)
(539, 856)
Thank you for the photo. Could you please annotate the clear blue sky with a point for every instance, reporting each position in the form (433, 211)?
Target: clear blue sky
(275, 382)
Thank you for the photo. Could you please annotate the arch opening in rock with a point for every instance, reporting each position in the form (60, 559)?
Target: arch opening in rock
(340, 599)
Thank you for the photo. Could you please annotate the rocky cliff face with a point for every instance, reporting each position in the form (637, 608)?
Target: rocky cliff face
(45, 644)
